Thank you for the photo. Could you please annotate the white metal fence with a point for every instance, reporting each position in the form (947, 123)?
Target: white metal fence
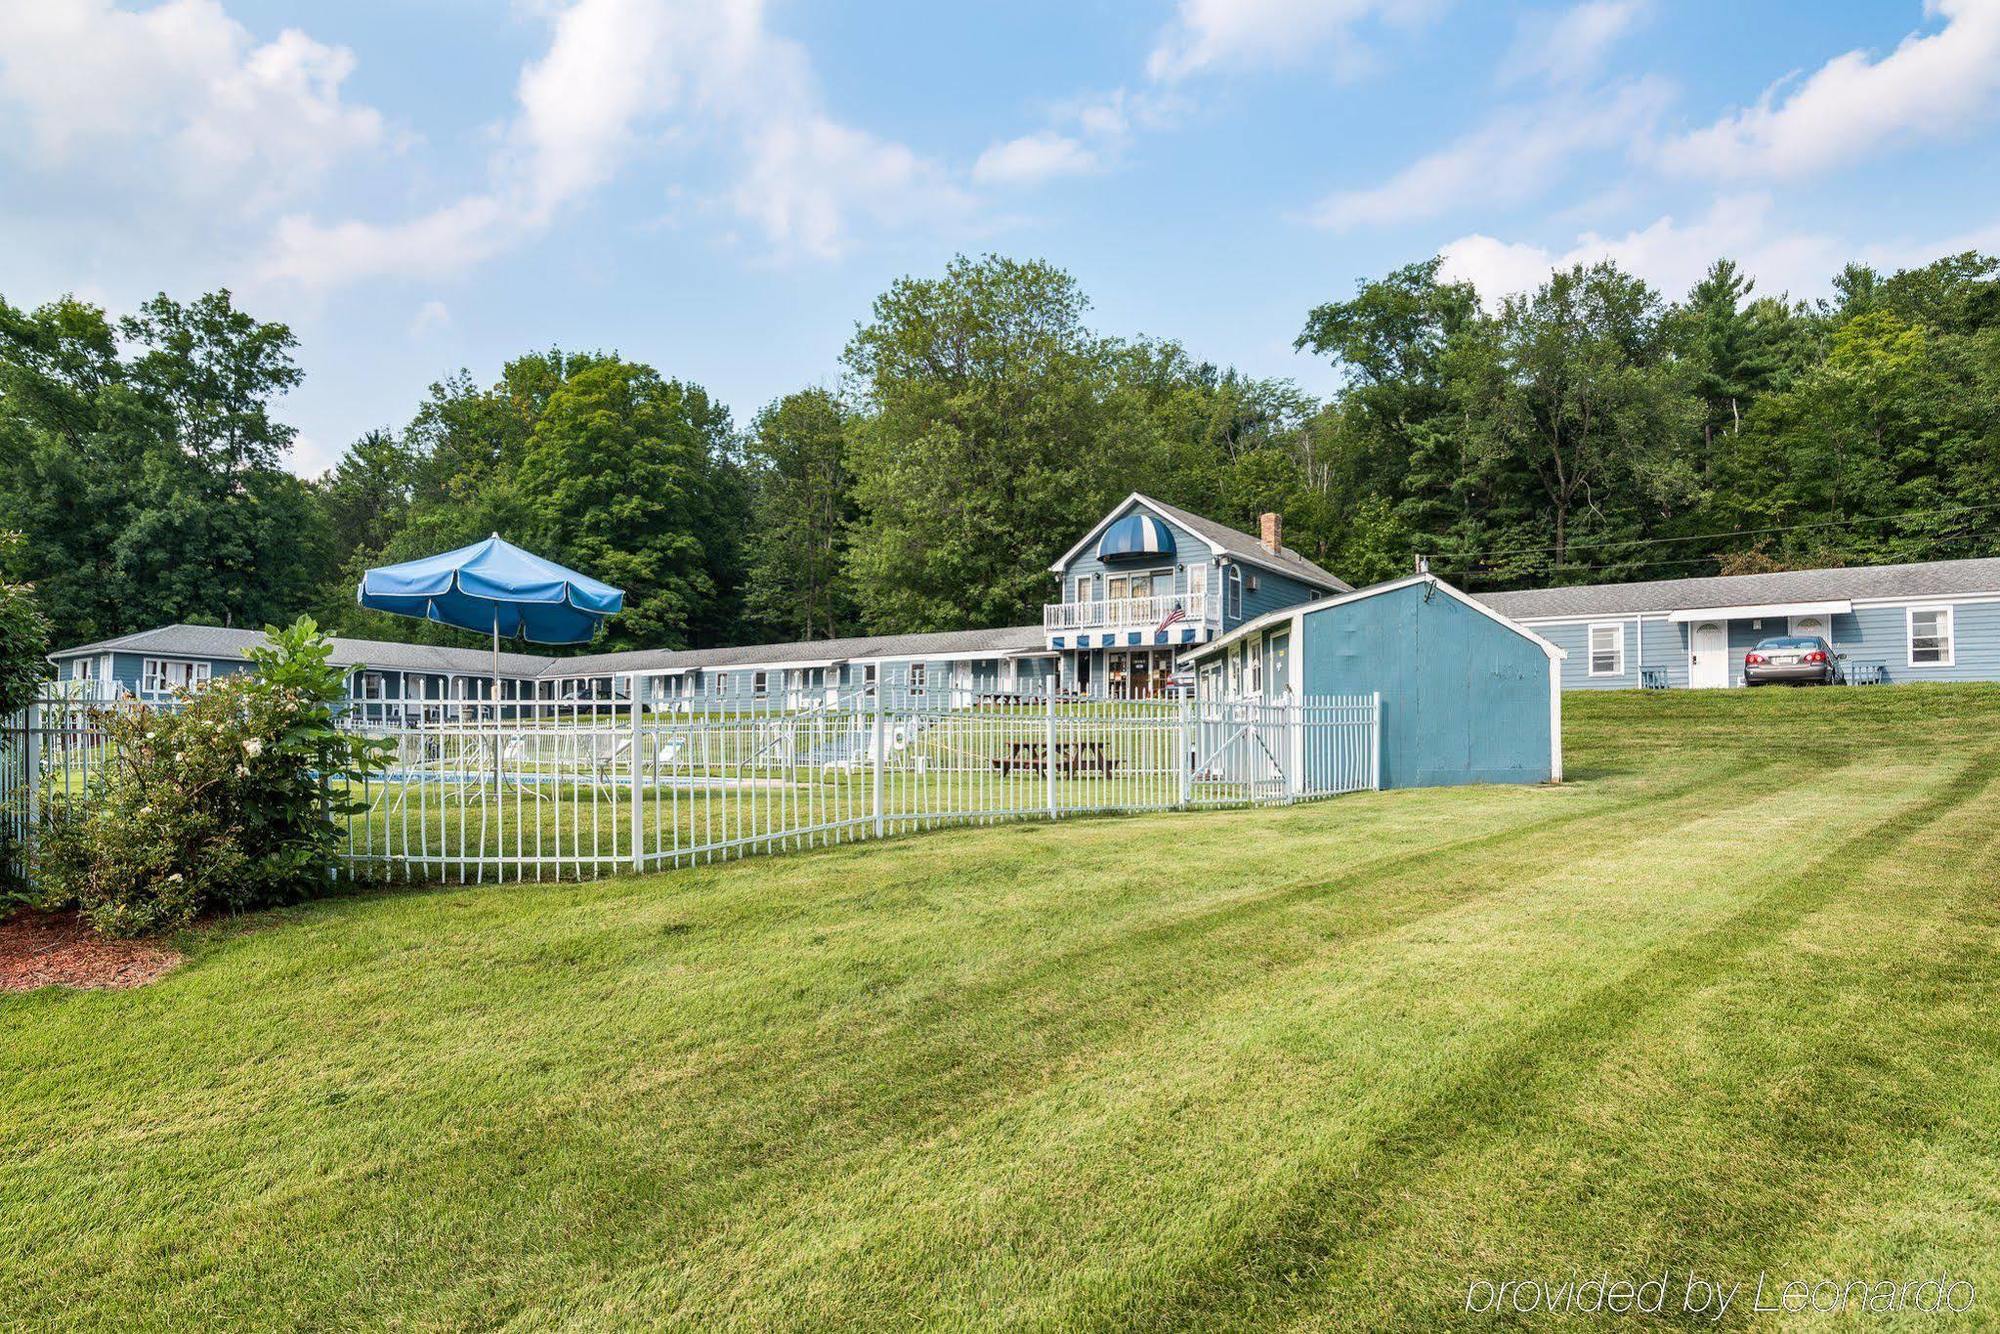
(574, 789)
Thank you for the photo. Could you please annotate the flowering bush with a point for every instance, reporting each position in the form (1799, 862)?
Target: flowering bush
(223, 801)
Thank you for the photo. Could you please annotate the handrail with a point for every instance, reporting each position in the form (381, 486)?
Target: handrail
(1126, 613)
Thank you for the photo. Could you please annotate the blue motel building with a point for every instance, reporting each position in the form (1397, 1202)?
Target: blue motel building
(1153, 601)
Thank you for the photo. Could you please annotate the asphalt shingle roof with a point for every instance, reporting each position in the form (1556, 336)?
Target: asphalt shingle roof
(1937, 578)
(215, 641)
(211, 641)
(1245, 547)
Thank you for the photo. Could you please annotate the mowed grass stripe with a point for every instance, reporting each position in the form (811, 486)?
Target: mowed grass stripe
(817, 1238)
(1071, 1076)
(1320, 1248)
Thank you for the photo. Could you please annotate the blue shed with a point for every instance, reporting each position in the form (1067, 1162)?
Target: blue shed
(1467, 695)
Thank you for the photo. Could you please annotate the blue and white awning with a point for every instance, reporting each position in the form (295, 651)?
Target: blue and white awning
(1136, 537)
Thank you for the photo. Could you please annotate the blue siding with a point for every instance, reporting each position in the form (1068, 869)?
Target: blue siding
(1464, 698)
(1273, 593)
(1870, 637)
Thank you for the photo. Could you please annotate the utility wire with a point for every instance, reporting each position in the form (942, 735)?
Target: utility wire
(1710, 537)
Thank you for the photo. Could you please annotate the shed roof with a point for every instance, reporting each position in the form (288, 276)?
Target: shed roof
(1271, 618)
(1921, 579)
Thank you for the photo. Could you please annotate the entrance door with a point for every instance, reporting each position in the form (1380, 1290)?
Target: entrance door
(1708, 655)
(1820, 626)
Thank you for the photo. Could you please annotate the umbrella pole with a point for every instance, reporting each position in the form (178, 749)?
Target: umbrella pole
(496, 707)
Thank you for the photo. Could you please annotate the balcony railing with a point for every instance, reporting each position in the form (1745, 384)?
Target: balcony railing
(1127, 613)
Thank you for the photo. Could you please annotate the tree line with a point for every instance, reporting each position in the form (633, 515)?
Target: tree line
(1589, 431)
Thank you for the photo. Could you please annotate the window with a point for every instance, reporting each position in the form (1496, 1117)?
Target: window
(722, 683)
(1235, 665)
(83, 669)
(1254, 669)
(868, 674)
(1930, 637)
(916, 678)
(374, 686)
(165, 674)
(1232, 592)
(760, 684)
(1607, 649)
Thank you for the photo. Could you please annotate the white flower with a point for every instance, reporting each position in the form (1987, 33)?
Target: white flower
(253, 747)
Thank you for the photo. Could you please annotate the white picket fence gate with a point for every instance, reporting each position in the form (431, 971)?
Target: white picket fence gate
(576, 789)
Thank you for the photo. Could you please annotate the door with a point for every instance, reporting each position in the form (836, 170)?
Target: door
(1281, 667)
(1820, 627)
(1708, 655)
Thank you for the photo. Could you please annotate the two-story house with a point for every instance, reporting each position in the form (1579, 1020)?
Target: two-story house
(1151, 581)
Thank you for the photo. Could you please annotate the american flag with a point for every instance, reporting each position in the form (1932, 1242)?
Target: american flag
(1173, 617)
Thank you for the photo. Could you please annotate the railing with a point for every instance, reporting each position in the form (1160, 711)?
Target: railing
(1126, 613)
(575, 790)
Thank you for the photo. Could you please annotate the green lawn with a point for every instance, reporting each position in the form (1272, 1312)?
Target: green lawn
(1728, 1000)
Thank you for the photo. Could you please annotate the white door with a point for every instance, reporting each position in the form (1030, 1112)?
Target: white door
(1809, 626)
(1708, 655)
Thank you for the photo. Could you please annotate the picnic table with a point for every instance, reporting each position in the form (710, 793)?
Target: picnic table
(1073, 758)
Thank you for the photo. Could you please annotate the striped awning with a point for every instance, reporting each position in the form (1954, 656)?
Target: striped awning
(1136, 537)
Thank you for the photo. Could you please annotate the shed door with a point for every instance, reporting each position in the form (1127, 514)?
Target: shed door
(1708, 655)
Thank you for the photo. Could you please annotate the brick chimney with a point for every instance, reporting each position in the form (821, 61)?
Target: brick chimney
(1272, 532)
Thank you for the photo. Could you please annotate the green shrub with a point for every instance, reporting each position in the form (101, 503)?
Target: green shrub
(221, 802)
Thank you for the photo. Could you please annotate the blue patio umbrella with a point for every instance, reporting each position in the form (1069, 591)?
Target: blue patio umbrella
(494, 586)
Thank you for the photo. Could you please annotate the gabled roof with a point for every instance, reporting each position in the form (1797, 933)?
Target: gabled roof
(1271, 618)
(1222, 541)
(215, 641)
(1922, 579)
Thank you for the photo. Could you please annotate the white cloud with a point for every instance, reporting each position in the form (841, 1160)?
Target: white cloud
(1086, 135)
(1512, 157)
(1033, 158)
(619, 74)
(431, 315)
(1570, 47)
(1214, 34)
(180, 95)
(1670, 254)
(1932, 85)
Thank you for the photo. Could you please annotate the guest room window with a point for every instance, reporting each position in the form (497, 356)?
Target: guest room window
(1930, 637)
(164, 674)
(1607, 649)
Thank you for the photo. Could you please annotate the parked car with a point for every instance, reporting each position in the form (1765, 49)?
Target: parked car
(1793, 660)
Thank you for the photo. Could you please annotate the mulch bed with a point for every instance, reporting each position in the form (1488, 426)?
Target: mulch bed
(39, 949)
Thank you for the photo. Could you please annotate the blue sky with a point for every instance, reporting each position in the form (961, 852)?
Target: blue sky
(721, 189)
